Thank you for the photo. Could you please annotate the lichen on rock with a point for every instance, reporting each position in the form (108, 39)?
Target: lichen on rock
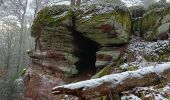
(156, 21)
(104, 24)
(73, 44)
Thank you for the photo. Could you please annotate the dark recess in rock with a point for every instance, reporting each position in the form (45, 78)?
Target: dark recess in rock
(85, 50)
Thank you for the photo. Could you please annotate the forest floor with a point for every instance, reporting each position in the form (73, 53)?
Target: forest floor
(140, 48)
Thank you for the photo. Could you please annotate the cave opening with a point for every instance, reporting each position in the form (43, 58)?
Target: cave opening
(85, 50)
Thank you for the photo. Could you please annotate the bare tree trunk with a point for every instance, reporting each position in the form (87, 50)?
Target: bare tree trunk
(7, 64)
(78, 2)
(20, 47)
(73, 2)
(117, 83)
(22, 20)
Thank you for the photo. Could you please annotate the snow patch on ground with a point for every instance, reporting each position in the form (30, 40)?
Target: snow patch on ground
(98, 10)
(147, 48)
(166, 88)
(159, 97)
(103, 10)
(139, 63)
(130, 97)
(139, 49)
(146, 93)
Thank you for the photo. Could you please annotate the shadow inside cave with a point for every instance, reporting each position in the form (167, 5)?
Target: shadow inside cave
(85, 50)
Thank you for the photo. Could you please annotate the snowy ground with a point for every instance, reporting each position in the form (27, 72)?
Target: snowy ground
(140, 48)
(148, 93)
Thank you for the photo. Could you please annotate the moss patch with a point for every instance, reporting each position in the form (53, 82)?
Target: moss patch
(48, 17)
(152, 20)
(120, 21)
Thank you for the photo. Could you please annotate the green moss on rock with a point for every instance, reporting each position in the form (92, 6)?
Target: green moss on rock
(155, 21)
(103, 72)
(50, 16)
(56, 39)
(50, 25)
(91, 24)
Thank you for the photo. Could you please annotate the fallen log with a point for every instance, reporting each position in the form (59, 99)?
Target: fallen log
(116, 83)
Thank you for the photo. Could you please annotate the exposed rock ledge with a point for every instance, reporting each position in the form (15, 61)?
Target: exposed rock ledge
(72, 44)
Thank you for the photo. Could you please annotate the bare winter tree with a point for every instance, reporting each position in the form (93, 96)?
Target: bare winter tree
(147, 3)
(78, 2)
(17, 9)
(21, 17)
(9, 40)
(72, 2)
(36, 5)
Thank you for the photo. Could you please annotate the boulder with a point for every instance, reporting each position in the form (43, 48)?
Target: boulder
(49, 29)
(69, 41)
(106, 57)
(137, 13)
(156, 21)
(105, 24)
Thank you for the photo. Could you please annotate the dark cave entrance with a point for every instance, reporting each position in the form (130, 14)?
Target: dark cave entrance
(85, 50)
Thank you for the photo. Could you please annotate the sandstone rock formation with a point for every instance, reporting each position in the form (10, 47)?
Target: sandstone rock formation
(72, 44)
(156, 21)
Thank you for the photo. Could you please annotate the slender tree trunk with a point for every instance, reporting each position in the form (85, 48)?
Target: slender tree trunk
(7, 65)
(7, 62)
(72, 2)
(20, 42)
(78, 2)
(8, 52)
(20, 46)
(22, 20)
(36, 8)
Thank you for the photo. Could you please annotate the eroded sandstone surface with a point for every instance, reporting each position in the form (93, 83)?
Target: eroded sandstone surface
(73, 44)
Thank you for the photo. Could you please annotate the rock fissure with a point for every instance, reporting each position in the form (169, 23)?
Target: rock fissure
(84, 48)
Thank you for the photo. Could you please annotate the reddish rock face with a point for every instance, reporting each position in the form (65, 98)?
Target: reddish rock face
(163, 36)
(2, 72)
(39, 85)
(43, 74)
(104, 57)
(48, 69)
(107, 28)
(57, 55)
(65, 54)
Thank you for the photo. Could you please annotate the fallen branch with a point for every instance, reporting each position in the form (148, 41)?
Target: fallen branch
(116, 83)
